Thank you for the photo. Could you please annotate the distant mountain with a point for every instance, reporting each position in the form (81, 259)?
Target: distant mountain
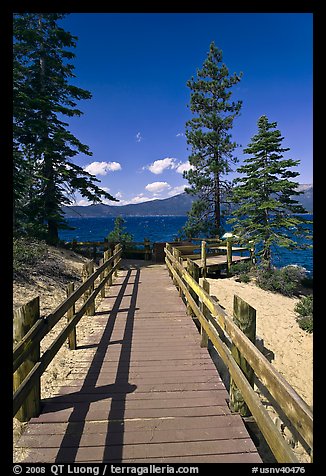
(178, 205)
(306, 199)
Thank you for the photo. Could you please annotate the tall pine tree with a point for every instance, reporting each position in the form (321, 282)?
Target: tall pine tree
(208, 134)
(264, 196)
(45, 176)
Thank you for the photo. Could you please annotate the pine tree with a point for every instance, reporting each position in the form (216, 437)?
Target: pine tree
(45, 176)
(119, 233)
(208, 134)
(266, 209)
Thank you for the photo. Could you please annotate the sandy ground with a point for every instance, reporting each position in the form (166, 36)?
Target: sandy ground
(48, 279)
(288, 347)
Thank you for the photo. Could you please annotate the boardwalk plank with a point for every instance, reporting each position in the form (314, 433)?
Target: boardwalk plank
(141, 389)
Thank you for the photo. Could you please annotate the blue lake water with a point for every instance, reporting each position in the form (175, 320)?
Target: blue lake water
(165, 228)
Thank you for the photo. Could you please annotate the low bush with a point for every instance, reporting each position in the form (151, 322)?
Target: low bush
(286, 281)
(304, 309)
(242, 271)
(26, 252)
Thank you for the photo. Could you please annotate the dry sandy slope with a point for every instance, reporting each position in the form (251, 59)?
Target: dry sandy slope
(276, 324)
(48, 278)
(290, 349)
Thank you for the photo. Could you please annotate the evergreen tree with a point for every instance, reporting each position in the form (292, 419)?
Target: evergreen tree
(44, 175)
(264, 195)
(208, 134)
(119, 233)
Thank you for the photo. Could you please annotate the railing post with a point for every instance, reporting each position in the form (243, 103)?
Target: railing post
(205, 311)
(101, 279)
(244, 317)
(24, 318)
(72, 341)
(176, 255)
(169, 248)
(107, 256)
(203, 258)
(116, 249)
(88, 269)
(194, 271)
(229, 255)
(147, 248)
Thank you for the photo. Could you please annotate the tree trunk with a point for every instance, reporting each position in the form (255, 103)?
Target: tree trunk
(217, 204)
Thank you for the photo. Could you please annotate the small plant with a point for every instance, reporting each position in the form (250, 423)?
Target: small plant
(304, 309)
(119, 233)
(242, 271)
(286, 281)
(26, 252)
(244, 278)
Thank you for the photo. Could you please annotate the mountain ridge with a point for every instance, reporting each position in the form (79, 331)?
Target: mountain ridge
(178, 205)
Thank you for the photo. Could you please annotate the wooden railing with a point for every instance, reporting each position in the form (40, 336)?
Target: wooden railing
(30, 329)
(209, 247)
(93, 249)
(221, 329)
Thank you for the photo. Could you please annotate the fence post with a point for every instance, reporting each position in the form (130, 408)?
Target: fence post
(72, 341)
(147, 248)
(107, 256)
(116, 249)
(244, 317)
(176, 254)
(205, 311)
(88, 269)
(194, 271)
(169, 248)
(101, 279)
(229, 255)
(203, 258)
(24, 318)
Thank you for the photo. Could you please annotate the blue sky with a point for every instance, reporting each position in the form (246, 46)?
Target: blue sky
(136, 66)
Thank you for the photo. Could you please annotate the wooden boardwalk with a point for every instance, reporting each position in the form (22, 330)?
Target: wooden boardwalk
(142, 390)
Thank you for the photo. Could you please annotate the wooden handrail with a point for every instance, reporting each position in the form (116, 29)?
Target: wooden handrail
(42, 327)
(290, 402)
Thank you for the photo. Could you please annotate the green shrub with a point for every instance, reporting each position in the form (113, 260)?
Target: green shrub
(304, 309)
(241, 270)
(286, 281)
(244, 278)
(26, 252)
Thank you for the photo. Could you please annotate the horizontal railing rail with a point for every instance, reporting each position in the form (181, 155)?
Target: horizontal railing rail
(219, 327)
(31, 340)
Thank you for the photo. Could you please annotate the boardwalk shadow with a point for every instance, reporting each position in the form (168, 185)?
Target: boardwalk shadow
(81, 400)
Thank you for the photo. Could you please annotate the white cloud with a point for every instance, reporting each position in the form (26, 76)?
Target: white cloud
(140, 198)
(180, 134)
(139, 137)
(118, 195)
(157, 187)
(158, 166)
(182, 167)
(106, 189)
(102, 168)
(136, 199)
(83, 203)
(176, 190)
